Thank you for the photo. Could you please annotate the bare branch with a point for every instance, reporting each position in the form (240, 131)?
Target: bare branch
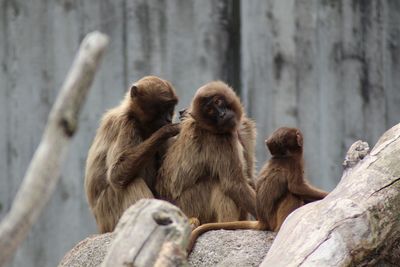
(43, 172)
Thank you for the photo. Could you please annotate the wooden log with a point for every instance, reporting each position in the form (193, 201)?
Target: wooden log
(43, 172)
(357, 223)
(150, 233)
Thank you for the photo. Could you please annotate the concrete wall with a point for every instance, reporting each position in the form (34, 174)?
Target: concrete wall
(329, 67)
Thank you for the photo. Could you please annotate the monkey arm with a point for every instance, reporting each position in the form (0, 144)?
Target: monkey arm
(306, 191)
(129, 160)
(309, 199)
(247, 136)
(236, 187)
(244, 196)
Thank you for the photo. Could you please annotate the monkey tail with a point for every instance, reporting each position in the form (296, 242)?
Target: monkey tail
(236, 225)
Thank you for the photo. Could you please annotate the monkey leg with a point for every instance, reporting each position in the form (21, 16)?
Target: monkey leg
(136, 190)
(113, 202)
(244, 215)
(224, 207)
(286, 206)
(195, 202)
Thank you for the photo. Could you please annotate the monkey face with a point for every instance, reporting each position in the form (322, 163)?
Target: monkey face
(216, 108)
(285, 141)
(156, 99)
(160, 113)
(218, 114)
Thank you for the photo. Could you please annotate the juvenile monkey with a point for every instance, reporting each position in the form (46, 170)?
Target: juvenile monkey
(281, 186)
(205, 172)
(124, 158)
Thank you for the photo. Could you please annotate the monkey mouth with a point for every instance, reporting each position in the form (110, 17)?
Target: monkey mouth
(159, 123)
(227, 125)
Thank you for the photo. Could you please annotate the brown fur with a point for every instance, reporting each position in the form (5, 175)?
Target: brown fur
(124, 158)
(205, 172)
(281, 186)
(247, 137)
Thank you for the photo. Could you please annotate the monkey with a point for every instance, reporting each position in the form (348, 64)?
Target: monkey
(204, 172)
(281, 186)
(125, 155)
(247, 137)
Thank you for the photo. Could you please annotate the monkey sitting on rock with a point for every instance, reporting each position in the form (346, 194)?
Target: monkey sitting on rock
(205, 171)
(126, 153)
(281, 186)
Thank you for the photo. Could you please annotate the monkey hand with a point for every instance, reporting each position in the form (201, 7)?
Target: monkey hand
(169, 130)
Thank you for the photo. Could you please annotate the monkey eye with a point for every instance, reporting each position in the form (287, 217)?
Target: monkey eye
(170, 103)
(210, 111)
(218, 102)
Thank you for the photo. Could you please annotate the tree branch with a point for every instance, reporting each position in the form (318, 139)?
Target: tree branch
(43, 172)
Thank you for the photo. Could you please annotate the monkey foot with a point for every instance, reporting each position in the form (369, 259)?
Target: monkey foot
(194, 223)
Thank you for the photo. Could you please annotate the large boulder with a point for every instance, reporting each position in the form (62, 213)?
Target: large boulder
(90, 252)
(214, 248)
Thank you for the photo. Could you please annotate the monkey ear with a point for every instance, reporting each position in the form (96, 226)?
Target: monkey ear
(299, 139)
(134, 91)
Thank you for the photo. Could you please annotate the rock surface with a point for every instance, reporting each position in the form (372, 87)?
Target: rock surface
(231, 248)
(215, 248)
(90, 252)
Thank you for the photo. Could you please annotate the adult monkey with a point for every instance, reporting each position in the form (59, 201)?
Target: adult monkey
(247, 134)
(281, 186)
(124, 158)
(204, 171)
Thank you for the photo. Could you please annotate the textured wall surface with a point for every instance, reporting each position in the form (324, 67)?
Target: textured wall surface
(330, 67)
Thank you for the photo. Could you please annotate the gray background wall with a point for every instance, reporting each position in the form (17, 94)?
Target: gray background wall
(330, 67)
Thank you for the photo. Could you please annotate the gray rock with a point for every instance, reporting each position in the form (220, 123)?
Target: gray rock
(231, 248)
(90, 252)
(214, 248)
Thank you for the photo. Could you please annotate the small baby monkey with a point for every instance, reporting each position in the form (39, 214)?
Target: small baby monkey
(281, 186)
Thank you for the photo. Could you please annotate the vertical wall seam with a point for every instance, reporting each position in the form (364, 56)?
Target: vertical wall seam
(235, 35)
(125, 43)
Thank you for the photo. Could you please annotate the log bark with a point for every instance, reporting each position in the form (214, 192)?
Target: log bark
(357, 223)
(150, 233)
(43, 172)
